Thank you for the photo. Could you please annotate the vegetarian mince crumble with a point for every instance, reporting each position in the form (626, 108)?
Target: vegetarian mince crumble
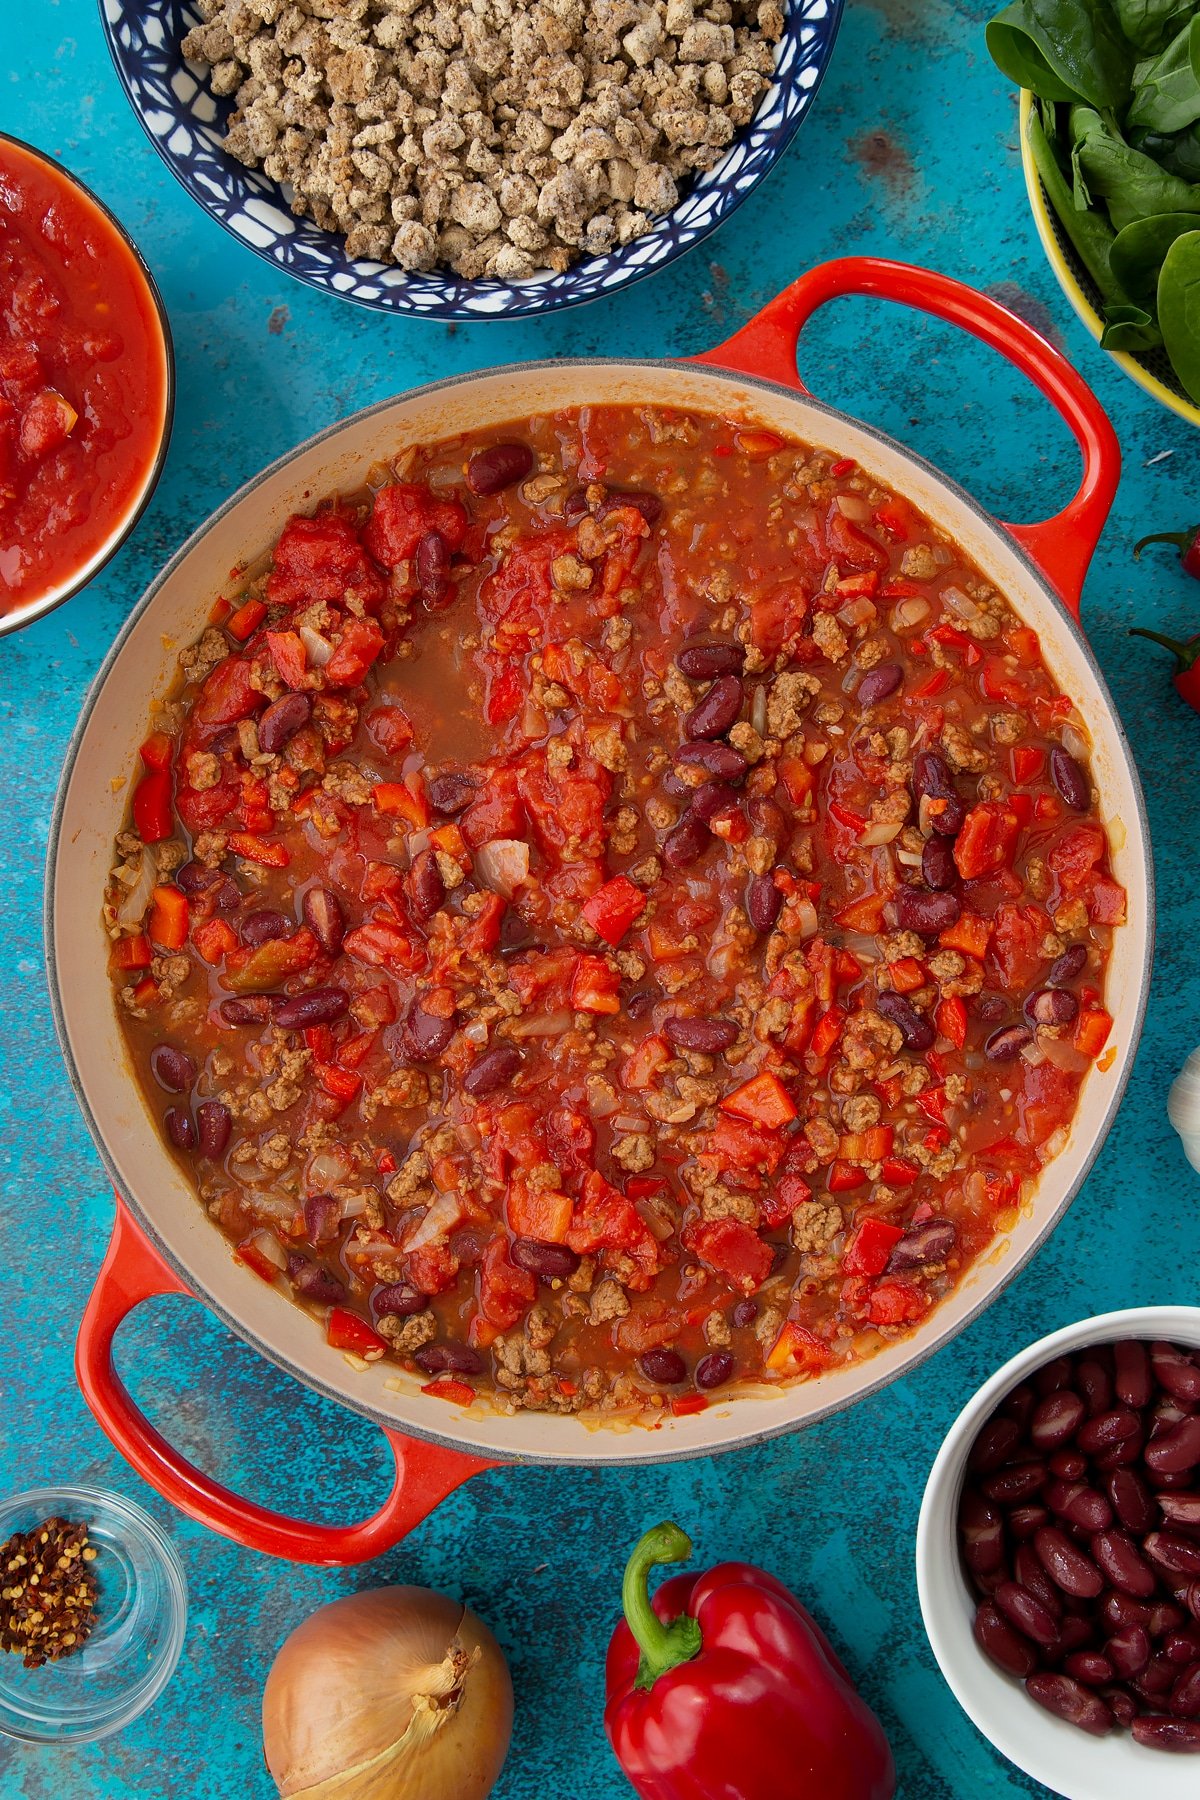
(495, 136)
(617, 908)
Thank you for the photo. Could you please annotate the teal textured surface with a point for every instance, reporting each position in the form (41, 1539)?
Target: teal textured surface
(910, 151)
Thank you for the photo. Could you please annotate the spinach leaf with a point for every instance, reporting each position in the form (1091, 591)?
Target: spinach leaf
(1133, 184)
(1166, 95)
(1087, 232)
(1145, 22)
(1179, 155)
(1179, 309)
(1129, 328)
(1138, 251)
(1063, 50)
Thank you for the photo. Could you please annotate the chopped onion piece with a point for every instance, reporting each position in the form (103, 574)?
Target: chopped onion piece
(910, 858)
(326, 1170)
(909, 613)
(942, 554)
(654, 1216)
(277, 1206)
(476, 1032)
(1056, 1143)
(1074, 743)
(882, 833)
(758, 710)
(542, 1024)
(859, 944)
(852, 506)
(267, 1245)
(502, 865)
(804, 914)
(957, 602)
(1034, 1055)
(438, 1223)
(132, 909)
(353, 1206)
(629, 1122)
(1062, 1053)
(319, 648)
(857, 612)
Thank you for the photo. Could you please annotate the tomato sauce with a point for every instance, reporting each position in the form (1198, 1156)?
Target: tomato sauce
(617, 910)
(83, 379)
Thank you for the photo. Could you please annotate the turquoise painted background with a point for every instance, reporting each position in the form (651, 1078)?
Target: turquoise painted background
(911, 151)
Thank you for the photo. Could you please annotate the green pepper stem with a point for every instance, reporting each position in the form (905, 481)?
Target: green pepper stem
(663, 1645)
(1185, 654)
(1180, 539)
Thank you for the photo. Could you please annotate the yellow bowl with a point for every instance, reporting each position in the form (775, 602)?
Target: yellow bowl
(1152, 371)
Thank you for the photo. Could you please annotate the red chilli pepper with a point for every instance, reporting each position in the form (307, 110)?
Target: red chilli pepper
(1186, 679)
(725, 1684)
(1186, 542)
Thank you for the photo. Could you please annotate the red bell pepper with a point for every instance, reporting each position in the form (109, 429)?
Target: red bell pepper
(612, 910)
(1186, 679)
(725, 1684)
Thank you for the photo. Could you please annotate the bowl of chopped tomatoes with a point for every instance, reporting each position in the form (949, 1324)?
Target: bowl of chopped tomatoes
(614, 933)
(86, 384)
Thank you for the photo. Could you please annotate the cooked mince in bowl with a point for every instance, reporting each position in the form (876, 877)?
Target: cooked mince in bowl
(613, 910)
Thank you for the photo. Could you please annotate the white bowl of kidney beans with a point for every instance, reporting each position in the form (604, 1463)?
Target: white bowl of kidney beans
(1058, 1557)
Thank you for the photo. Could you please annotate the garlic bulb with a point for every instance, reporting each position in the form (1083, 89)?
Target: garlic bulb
(1183, 1107)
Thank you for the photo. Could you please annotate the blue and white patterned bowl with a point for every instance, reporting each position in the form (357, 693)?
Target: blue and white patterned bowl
(185, 123)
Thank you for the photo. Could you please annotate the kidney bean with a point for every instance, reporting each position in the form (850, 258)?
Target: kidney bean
(426, 1034)
(399, 1298)
(1091, 1667)
(321, 1218)
(744, 1313)
(1023, 1521)
(878, 683)
(717, 759)
(494, 1069)
(1108, 1428)
(196, 878)
(666, 1367)
(1132, 1500)
(1123, 1563)
(180, 1129)
(492, 470)
(282, 720)
(263, 926)
(686, 843)
(981, 1531)
(717, 710)
(1069, 1700)
(1131, 1373)
(1018, 1481)
(1007, 1043)
(1079, 1505)
(1068, 1465)
(1172, 1551)
(1181, 1647)
(451, 792)
(1095, 1384)
(1128, 1650)
(925, 913)
(1066, 1565)
(763, 901)
(1164, 1616)
(1160, 1733)
(1056, 1420)
(1177, 1450)
(997, 1639)
(937, 864)
(315, 1282)
(1181, 1510)
(1050, 1006)
(930, 1242)
(431, 566)
(1019, 1403)
(995, 1444)
(703, 661)
(449, 1359)
(1189, 1595)
(1123, 1705)
(1026, 1613)
(989, 1007)
(551, 1262)
(1157, 1679)
(915, 1029)
(324, 917)
(1029, 1573)
(931, 776)
(1066, 967)
(714, 1369)
(319, 1006)
(173, 1069)
(649, 505)
(254, 1009)
(214, 1122)
(426, 889)
(1176, 1372)
(712, 799)
(640, 1003)
(1053, 1376)
(708, 1037)
(1070, 780)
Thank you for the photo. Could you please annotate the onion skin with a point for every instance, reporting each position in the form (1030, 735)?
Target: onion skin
(397, 1693)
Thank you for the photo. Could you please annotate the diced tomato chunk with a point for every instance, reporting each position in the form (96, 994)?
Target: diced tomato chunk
(506, 1292)
(405, 512)
(897, 1302)
(321, 559)
(360, 643)
(595, 988)
(763, 1100)
(733, 1249)
(988, 839)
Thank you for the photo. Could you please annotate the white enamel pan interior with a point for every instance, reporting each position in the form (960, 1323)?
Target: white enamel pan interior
(91, 808)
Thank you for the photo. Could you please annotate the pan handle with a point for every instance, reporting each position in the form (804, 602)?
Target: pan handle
(1063, 546)
(133, 1271)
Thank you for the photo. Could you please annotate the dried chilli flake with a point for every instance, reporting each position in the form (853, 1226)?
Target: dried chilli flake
(47, 1592)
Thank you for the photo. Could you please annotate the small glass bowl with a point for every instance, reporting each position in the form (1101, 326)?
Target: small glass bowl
(141, 1614)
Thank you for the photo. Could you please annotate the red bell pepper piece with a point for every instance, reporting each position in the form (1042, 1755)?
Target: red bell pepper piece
(951, 1017)
(346, 1331)
(257, 850)
(595, 988)
(397, 800)
(1186, 651)
(169, 918)
(763, 1100)
(612, 910)
(868, 1250)
(248, 617)
(725, 1684)
(458, 1393)
(988, 839)
(152, 806)
(844, 1177)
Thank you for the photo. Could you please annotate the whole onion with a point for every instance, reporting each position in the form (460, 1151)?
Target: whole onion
(397, 1693)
